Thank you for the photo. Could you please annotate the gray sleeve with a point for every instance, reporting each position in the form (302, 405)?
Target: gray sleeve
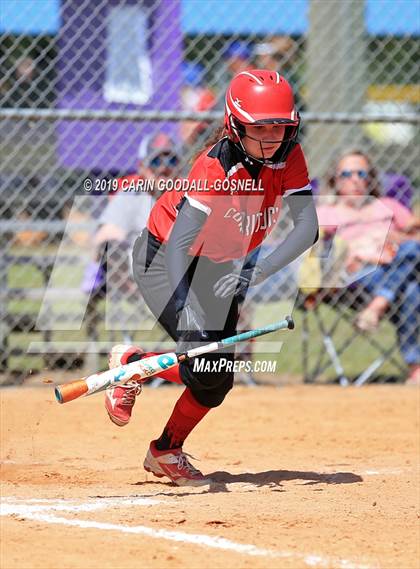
(303, 235)
(127, 211)
(187, 226)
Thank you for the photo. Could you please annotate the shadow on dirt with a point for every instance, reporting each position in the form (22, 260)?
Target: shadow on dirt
(276, 477)
(270, 478)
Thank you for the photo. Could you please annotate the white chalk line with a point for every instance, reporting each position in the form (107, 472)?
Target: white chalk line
(38, 510)
(36, 506)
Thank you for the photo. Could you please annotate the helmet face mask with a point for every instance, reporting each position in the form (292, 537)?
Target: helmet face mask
(258, 98)
(286, 143)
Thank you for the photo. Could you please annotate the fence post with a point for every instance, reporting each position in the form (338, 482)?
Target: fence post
(336, 35)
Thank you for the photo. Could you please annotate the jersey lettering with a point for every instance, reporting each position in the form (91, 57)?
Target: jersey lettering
(237, 221)
(252, 223)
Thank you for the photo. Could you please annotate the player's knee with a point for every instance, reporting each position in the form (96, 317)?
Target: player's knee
(213, 397)
(211, 382)
(208, 373)
(210, 378)
(202, 379)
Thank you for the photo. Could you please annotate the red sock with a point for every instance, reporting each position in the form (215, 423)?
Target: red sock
(186, 415)
(172, 375)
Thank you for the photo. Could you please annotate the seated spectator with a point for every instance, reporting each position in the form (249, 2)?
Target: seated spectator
(383, 251)
(126, 213)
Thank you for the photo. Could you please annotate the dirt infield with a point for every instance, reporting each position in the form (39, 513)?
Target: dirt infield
(305, 477)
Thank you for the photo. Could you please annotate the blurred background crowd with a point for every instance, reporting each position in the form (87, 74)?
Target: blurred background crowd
(354, 68)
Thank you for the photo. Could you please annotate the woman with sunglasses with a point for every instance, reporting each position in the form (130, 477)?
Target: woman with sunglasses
(184, 263)
(383, 254)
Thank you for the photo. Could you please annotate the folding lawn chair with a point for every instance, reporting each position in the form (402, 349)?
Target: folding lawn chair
(345, 303)
(324, 265)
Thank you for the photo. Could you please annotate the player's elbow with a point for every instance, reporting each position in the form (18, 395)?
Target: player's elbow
(313, 228)
(311, 233)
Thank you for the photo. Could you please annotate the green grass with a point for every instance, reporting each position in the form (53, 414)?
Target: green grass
(356, 358)
(289, 358)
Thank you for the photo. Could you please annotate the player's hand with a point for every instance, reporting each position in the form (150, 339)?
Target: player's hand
(235, 283)
(191, 327)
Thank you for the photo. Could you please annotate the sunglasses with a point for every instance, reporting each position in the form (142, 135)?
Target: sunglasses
(164, 160)
(363, 174)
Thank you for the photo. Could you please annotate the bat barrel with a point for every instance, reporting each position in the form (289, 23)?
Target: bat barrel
(69, 391)
(96, 382)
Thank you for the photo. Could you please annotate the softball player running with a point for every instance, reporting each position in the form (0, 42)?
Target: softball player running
(184, 264)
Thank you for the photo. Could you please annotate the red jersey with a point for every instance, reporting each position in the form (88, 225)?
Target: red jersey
(242, 210)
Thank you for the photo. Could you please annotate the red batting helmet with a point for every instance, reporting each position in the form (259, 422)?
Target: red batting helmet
(257, 97)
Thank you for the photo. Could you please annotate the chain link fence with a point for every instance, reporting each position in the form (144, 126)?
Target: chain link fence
(85, 86)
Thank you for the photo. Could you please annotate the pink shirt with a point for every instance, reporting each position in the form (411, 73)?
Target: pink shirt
(366, 229)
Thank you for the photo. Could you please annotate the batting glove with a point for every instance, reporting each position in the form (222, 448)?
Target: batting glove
(235, 283)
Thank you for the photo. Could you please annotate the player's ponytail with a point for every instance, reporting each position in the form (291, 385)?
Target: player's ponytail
(218, 133)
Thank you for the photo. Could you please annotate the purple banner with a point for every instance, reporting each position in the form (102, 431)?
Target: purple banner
(115, 55)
